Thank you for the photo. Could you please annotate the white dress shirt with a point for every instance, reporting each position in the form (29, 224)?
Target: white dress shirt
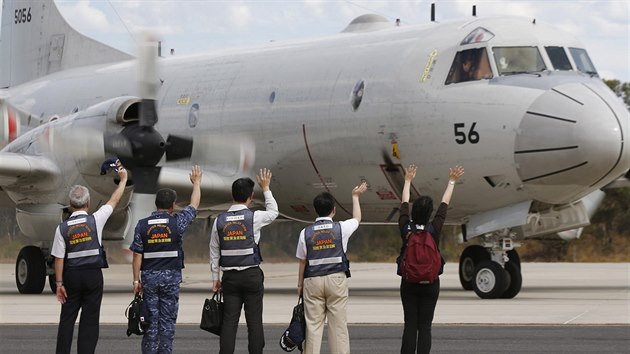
(261, 218)
(100, 216)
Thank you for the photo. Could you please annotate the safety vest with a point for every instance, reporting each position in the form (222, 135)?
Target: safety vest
(83, 251)
(236, 239)
(161, 243)
(324, 249)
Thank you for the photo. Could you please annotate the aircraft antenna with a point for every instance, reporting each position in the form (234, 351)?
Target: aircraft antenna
(432, 12)
(123, 22)
(474, 10)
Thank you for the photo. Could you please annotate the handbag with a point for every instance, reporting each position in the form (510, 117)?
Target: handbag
(212, 314)
(136, 316)
(294, 335)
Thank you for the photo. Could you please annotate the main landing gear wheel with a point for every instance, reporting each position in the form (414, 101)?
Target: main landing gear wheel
(515, 280)
(468, 262)
(491, 280)
(30, 271)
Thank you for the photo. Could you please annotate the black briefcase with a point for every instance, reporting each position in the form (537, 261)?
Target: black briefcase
(136, 316)
(212, 314)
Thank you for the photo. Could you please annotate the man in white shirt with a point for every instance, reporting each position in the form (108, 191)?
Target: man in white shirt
(234, 250)
(323, 272)
(79, 257)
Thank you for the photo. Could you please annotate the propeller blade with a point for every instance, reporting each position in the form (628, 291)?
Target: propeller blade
(117, 145)
(145, 179)
(147, 73)
(148, 113)
(147, 79)
(178, 147)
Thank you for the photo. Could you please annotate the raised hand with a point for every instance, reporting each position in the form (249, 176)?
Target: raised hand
(410, 172)
(455, 173)
(264, 179)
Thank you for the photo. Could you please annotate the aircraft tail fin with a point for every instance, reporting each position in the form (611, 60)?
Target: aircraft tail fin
(36, 41)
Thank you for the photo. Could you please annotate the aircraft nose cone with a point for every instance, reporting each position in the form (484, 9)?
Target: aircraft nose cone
(571, 140)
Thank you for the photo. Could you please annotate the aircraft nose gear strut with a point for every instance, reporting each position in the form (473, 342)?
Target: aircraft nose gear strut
(492, 270)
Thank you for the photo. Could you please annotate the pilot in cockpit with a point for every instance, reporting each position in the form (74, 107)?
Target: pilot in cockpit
(469, 65)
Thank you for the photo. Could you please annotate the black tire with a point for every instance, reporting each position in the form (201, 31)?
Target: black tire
(30, 271)
(515, 280)
(514, 258)
(468, 262)
(490, 280)
(52, 282)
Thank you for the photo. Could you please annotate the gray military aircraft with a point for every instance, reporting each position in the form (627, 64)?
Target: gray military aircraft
(518, 103)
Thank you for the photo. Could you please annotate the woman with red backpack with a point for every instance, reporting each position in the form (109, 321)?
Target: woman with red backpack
(419, 297)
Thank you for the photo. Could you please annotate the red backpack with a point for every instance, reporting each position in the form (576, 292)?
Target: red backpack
(421, 261)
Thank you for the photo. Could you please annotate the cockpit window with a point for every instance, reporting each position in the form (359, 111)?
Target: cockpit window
(469, 65)
(582, 61)
(558, 58)
(518, 60)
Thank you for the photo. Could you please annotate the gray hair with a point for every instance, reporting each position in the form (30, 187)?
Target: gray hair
(79, 196)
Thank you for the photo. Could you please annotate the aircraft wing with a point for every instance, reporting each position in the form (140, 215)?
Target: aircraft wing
(19, 170)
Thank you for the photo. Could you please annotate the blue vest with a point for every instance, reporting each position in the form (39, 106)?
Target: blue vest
(161, 242)
(324, 249)
(83, 251)
(236, 239)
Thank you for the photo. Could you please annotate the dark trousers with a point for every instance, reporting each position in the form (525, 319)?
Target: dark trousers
(84, 288)
(418, 302)
(240, 288)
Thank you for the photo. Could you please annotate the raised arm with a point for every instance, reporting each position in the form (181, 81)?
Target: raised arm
(195, 179)
(410, 174)
(356, 206)
(454, 174)
(120, 190)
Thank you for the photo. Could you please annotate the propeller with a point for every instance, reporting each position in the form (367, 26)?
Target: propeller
(140, 147)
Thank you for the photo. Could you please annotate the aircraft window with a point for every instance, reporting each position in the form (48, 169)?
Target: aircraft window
(357, 94)
(582, 61)
(469, 65)
(558, 58)
(193, 115)
(518, 60)
(478, 35)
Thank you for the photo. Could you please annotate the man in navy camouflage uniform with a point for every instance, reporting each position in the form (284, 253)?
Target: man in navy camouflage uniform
(157, 247)
(234, 250)
(79, 257)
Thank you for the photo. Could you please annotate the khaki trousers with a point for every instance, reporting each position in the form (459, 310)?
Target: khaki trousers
(326, 297)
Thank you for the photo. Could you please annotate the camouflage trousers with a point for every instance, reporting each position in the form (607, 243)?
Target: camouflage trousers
(162, 304)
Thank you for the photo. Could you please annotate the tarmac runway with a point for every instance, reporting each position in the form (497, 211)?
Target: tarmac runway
(562, 307)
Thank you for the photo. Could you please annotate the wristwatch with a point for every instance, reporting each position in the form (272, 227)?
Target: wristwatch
(135, 282)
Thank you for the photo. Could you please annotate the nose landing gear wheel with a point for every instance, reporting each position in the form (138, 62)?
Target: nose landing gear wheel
(468, 262)
(490, 280)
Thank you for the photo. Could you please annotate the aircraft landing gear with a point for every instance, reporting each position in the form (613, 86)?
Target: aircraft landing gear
(490, 280)
(468, 261)
(492, 270)
(30, 270)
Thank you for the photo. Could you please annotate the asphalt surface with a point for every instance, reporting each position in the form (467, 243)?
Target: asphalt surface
(364, 339)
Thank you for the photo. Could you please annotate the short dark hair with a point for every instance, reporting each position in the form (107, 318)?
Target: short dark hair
(324, 204)
(421, 210)
(242, 189)
(164, 198)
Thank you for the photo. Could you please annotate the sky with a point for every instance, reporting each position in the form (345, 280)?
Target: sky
(194, 26)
